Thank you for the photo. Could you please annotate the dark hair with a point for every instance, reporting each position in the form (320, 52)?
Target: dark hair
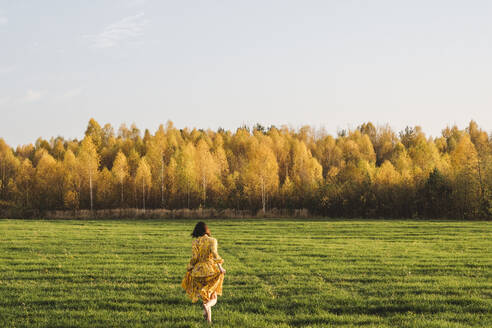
(200, 230)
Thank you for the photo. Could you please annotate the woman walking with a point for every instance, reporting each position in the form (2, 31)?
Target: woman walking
(205, 274)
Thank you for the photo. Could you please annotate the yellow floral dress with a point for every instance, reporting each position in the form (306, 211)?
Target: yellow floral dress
(203, 276)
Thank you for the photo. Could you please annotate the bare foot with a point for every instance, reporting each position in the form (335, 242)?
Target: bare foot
(205, 315)
(209, 315)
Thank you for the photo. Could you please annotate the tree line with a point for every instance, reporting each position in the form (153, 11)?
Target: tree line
(370, 171)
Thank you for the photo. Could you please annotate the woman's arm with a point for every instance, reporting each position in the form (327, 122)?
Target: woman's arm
(221, 268)
(194, 257)
(217, 259)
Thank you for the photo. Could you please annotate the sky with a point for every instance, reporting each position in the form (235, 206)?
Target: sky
(210, 64)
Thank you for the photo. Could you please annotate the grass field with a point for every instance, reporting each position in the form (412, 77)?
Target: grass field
(280, 273)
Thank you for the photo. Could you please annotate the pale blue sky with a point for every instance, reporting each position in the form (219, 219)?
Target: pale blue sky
(210, 64)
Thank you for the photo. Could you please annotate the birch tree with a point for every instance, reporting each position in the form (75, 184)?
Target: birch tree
(261, 172)
(72, 181)
(208, 169)
(89, 161)
(187, 170)
(24, 182)
(120, 172)
(8, 168)
(464, 159)
(45, 182)
(143, 178)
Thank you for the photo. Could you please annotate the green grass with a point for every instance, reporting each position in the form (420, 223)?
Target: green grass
(280, 273)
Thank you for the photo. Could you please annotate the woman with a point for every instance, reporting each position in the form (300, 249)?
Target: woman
(205, 274)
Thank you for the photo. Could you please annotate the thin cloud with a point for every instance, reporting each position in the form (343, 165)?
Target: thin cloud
(32, 96)
(114, 34)
(72, 93)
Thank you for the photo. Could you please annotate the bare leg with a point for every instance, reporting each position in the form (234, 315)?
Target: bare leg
(205, 315)
(213, 300)
(205, 311)
(209, 305)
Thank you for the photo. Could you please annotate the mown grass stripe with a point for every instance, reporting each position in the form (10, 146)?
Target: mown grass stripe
(280, 273)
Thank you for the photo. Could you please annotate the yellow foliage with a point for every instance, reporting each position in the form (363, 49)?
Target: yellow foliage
(386, 175)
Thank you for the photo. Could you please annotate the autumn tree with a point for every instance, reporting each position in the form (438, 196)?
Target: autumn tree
(383, 140)
(24, 182)
(8, 167)
(95, 132)
(171, 181)
(186, 170)
(466, 189)
(143, 178)
(208, 169)
(260, 174)
(89, 162)
(367, 172)
(386, 182)
(105, 189)
(306, 172)
(120, 172)
(45, 181)
(133, 160)
(72, 181)
(480, 140)
(156, 148)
